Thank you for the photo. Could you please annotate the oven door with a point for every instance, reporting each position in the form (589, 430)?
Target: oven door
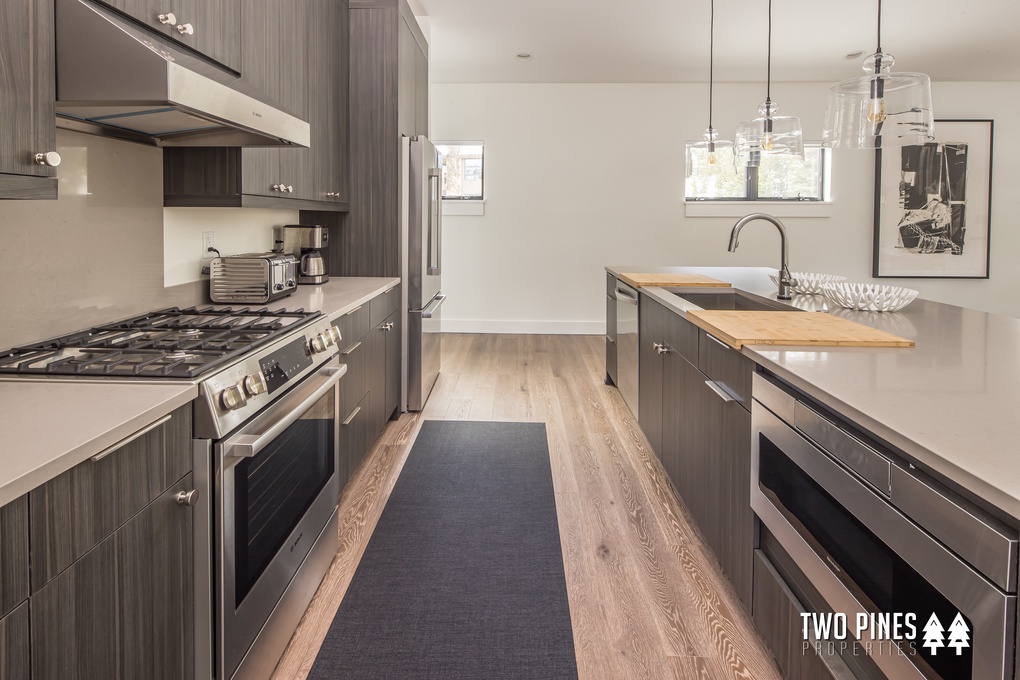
(863, 556)
(278, 488)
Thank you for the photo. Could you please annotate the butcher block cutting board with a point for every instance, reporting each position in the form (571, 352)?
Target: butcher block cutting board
(805, 329)
(694, 280)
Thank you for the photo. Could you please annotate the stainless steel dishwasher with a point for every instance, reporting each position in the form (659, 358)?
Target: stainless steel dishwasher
(627, 344)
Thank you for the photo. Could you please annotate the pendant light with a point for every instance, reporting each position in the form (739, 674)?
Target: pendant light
(879, 109)
(709, 148)
(768, 134)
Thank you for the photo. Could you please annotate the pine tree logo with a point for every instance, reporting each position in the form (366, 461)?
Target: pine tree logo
(933, 634)
(959, 634)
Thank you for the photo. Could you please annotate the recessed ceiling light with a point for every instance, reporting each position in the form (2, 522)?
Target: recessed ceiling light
(525, 56)
(854, 55)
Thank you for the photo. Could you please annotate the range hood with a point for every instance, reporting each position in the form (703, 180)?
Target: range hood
(116, 79)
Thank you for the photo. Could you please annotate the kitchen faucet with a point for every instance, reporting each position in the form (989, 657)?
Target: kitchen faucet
(786, 281)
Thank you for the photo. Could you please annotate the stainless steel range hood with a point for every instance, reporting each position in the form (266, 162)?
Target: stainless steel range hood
(115, 79)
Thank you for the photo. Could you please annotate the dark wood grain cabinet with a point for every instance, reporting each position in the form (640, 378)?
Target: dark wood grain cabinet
(126, 608)
(692, 405)
(111, 561)
(15, 653)
(296, 53)
(388, 100)
(14, 556)
(209, 27)
(27, 109)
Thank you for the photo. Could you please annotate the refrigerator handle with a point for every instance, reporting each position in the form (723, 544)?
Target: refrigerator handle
(435, 219)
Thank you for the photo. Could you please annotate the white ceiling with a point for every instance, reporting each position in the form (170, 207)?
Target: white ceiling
(667, 41)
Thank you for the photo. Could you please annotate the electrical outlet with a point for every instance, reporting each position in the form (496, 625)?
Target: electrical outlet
(207, 243)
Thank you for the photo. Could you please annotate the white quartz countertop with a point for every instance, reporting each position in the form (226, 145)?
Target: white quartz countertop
(947, 404)
(47, 427)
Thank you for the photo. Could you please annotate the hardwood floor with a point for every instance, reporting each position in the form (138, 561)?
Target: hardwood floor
(647, 599)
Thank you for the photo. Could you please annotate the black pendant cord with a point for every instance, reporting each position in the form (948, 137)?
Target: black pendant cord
(711, 61)
(878, 50)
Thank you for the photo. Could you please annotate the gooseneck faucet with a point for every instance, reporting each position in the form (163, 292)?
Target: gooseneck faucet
(786, 281)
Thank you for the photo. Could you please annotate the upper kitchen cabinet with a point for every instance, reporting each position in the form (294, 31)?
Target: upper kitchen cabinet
(209, 27)
(388, 99)
(296, 54)
(27, 131)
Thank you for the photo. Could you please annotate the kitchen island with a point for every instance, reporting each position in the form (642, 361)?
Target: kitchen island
(856, 480)
(944, 403)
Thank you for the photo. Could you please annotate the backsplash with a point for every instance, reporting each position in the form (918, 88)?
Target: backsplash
(96, 254)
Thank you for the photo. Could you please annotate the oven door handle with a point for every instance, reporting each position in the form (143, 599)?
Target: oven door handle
(249, 445)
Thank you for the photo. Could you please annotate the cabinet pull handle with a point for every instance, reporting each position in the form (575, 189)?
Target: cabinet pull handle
(723, 394)
(662, 349)
(186, 29)
(351, 348)
(188, 498)
(130, 438)
(354, 413)
(717, 340)
(388, 326)
(168, 18)
(352, 311)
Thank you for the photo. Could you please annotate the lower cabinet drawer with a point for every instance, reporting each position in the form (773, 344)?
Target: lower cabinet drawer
(15, 661)
(355, 437)
(384, 304)
(354, 385)
(353, 325)
(776, 613)
(73, 512)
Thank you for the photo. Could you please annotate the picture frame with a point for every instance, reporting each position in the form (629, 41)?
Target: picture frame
(933, 204)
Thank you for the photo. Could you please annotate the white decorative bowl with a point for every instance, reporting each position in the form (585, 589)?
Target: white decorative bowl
(809, 284)
(871, 297)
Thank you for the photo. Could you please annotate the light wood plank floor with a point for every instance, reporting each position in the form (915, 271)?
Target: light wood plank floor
(647, 599)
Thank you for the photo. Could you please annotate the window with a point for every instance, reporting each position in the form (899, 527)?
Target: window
(777, 178)
(463, 170)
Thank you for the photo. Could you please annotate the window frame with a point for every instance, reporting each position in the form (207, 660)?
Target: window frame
(467, 199)
(751, 183)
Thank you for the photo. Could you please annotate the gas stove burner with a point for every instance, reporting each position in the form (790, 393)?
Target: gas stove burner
(168, 343)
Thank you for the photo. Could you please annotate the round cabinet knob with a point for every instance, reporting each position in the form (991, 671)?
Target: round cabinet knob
(290, 189)
(50, 158)
(168, 18)
(277, 187)
(318, 344)
(255, 384)
(233, 398)
(186, 29)
(188, 498)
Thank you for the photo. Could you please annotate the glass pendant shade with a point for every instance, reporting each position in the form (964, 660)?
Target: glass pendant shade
(879, 109)
(710, 151)
(768, 134)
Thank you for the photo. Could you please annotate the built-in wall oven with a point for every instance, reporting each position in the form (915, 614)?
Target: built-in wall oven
(871, 537)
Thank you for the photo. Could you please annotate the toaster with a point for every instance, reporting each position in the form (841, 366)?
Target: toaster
(252, 278)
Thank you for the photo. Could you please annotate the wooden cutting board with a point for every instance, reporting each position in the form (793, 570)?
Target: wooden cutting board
(818, 329)
(694, 280)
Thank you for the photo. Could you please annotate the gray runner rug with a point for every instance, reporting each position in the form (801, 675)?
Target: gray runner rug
(463, 578)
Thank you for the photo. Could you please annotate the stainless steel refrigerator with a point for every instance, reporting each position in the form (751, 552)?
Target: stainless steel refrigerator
(421, 257)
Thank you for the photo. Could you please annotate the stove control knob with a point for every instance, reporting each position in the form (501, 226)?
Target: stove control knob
(255, 384)
(334, 332)
(318, 344)
(233, 398)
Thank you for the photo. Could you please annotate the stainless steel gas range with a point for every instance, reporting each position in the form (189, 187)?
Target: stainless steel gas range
(265, 447)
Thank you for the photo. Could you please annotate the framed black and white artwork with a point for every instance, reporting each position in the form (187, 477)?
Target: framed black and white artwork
(933, 204)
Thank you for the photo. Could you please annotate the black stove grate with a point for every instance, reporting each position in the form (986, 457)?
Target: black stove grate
(169, 343)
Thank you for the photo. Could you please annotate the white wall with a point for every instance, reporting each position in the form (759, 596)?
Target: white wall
(235, 231)
(578, 176)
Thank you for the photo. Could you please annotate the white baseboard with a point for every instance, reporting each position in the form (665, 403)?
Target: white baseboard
(510, 326)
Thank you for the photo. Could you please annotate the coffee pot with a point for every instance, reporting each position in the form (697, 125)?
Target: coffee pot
(305, 242)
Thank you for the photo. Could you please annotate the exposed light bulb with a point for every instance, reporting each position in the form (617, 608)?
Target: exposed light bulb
(876, 111)
(711, 147)
(767, 142)
(712, 158)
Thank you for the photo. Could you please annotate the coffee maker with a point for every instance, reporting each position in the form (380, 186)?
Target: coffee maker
(305, 242)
